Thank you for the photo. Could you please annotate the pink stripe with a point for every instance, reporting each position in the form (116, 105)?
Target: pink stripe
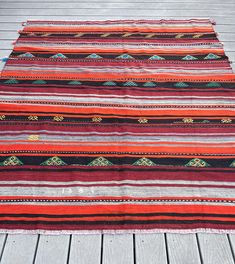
(118, 21)
(119, 90)
(120, 185)
(102, 173)
(118, 63)
(80, 127)
(117, 40)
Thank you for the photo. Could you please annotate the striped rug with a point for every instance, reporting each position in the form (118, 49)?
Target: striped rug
(117, 126)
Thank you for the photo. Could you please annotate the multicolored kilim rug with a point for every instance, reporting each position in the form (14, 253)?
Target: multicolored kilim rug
(117, 126)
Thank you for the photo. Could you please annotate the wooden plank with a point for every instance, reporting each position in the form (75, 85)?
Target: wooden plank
(10, 26)
(120, 1)
(52, 249)
(215, 249)
(81, 245)
(5, 26)
(224, 28)
(6, 44)
(105, 11)
(19, 249)
(231, 55)
(118, 249)
(229, 46)
(231, 239)
(4, 53)
(228, 36)
(3, 238)
(124, 5)
(1, 66)
(183, 248)
(150, 248)
(2, 241)
(8, 35)
(220, 19)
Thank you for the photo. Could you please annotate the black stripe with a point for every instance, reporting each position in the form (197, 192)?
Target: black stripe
(120, 215)
(120, 83)
(121, 223)
(126, 116)
(89, 169)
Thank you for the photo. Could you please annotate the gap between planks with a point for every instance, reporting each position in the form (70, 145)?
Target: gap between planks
(217, 2)
(118, 249)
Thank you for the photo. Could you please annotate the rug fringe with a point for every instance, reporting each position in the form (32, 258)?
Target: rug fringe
(210, 20)
(116, 232)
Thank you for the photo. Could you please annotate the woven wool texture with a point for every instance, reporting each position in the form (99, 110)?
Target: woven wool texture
(117, 126)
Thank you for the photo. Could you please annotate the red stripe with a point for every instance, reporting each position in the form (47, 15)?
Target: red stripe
(94, 174)
(124, 226)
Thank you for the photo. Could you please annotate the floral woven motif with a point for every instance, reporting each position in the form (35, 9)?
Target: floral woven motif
(117, 126)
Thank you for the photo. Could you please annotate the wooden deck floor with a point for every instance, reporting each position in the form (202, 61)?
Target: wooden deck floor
(131, 248)
(118, 249)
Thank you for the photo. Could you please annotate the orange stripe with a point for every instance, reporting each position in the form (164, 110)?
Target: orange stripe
(116, 218)
(126, 155)
(125, 76)
(199, 144)
(127, 208)
(106, 116)
(160, 77)
(116, 111)
(122, 29)
(89, 50)
(77, 198)
(196, 150)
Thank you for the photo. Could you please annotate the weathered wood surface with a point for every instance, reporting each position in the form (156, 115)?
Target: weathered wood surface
(180, 251)
(219, 245)
(112, 249)
(57, 251)
(116, 5)
(118, 249)
(19, 249)
(85, 249)
(150, 248)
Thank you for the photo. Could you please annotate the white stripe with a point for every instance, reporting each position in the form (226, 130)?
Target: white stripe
(138, 182)
(120, 96)
(123, 45)
(203, 135)
(128, 108)
(116, 140)
(140, 71)
(132, 25)
(116, 100)
(123, 143)
(120, 191)
(129, 202)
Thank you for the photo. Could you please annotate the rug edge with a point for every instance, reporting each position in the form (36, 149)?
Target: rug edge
(116, 232)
